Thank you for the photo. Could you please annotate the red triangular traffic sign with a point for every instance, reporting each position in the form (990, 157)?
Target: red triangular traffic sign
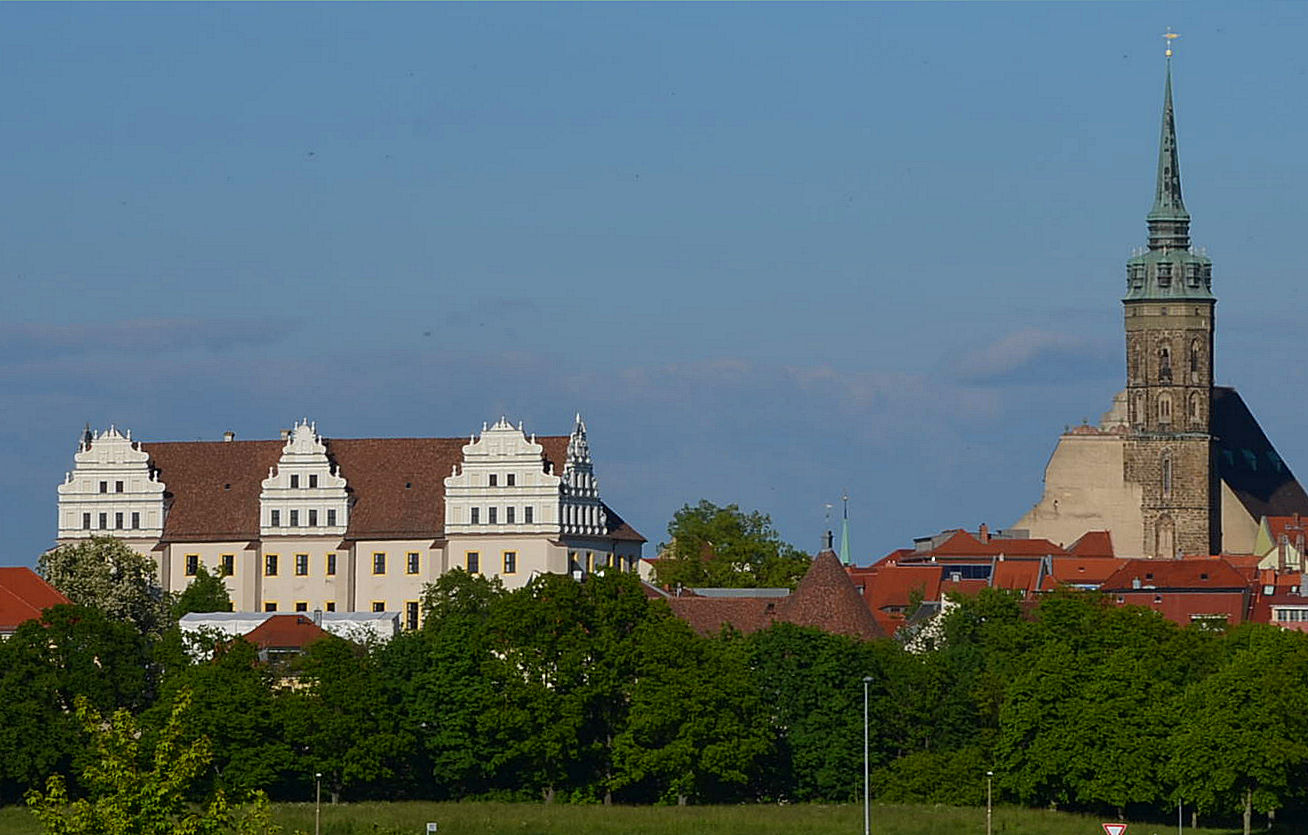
(1114, 828)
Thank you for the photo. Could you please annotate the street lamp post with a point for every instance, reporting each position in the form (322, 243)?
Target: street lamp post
(867, 809)
(990, 776)
(317, 802)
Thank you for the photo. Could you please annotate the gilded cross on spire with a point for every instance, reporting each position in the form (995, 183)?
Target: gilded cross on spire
(1168, 37)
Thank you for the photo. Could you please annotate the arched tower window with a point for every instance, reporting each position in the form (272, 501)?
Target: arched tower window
(1164, 363)
(1194, 361)
(1165, 409)
(1196, 409)
(1138, 412)
(1167, 475)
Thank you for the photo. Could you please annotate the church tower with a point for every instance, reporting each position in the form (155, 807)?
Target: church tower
(1168, 311)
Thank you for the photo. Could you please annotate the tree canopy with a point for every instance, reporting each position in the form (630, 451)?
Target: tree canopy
(104, 573)
(726, 547)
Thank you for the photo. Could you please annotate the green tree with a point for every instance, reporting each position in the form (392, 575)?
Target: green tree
(206, 593)
(105, 574)
(697, 728)
(71, 652)
(127, 798)
(717, 546)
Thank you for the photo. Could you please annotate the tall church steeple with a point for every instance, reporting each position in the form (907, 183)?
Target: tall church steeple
(1168, 311)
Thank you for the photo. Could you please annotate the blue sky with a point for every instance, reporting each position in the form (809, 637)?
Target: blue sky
(771, 252)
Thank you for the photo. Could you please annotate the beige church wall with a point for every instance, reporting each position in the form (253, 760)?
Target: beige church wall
(1085, 491)
(1239, 529)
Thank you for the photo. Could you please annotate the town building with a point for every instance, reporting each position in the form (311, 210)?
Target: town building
(310, 523)
(1178, 465)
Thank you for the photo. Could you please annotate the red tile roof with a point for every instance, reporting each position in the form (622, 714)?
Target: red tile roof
(824, 599)
(23, 596)
(397, 484)
(1081, 571)
(1093, 544)
(1175, 574)
(1291, 527)
(1020, 575)
(963, 544)
(285, 632)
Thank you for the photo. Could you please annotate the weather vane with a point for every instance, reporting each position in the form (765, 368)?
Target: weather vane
(1168, 37)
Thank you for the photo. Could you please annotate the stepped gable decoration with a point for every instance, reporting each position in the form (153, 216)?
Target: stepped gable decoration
(111, 487)
(304, 494)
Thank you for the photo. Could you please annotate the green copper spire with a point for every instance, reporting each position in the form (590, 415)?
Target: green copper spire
(1169, 222)
(1168, 268)
(844, 533)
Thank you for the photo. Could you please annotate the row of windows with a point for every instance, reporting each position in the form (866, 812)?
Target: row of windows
(295, 481)
(104, 487)
(410, 609)
(275, 518)
(412, 564)
(1291, 615)
(226, 565)
(508, 562)
(510, 480)
(119, 520)
(510, 515)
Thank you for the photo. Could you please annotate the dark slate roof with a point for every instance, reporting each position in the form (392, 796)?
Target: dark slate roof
(1249, 464)
(397, 484)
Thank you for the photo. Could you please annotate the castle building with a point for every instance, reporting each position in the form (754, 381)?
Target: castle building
(1177, 466)
(311, 523)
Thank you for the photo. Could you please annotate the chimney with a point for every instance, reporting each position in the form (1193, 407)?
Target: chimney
(229, 436)
(286, 434)
(983, 533)
(317, 618)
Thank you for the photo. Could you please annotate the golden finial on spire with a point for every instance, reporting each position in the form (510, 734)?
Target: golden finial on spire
(1168, 37)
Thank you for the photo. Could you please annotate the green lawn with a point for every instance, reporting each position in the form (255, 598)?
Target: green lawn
(536, 819)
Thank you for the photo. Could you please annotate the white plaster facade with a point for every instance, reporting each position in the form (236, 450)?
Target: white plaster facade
(110, 490)
(304, 491)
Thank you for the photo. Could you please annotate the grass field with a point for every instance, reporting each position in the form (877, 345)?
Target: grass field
(536, 819)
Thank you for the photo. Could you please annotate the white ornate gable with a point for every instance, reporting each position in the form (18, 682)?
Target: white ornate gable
(502, 486)
(305, 494)
(111, 489)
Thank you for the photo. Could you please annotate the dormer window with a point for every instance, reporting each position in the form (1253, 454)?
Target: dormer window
(1164, 273)
(1192, 274)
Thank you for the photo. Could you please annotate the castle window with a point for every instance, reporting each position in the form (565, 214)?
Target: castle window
(86, 521)
(411, 562)
(510, 562)
(295, 481)
(301, 606)
(490, 515)
(378, 563)
(527, 514)
(104, 521)
(508, 515)
(1167, 474)
(494, 480)
(104, 487)
(270, 565)
(118, 521)
(331, 565)
(301, 565)
(270, 605)
(227, 565)
(476, 516)
(411, 614)
(329, 605)
(511, 479)
(1194, 361)
(274, 518)
(313, 518)
(118, 487)
(295, 518)
(473, 561)
(192, 564)
(136, 521)
(313, 480)
(331, 517)
(379, 605)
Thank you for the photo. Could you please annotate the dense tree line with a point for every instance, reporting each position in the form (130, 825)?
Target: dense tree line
(593, 692)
